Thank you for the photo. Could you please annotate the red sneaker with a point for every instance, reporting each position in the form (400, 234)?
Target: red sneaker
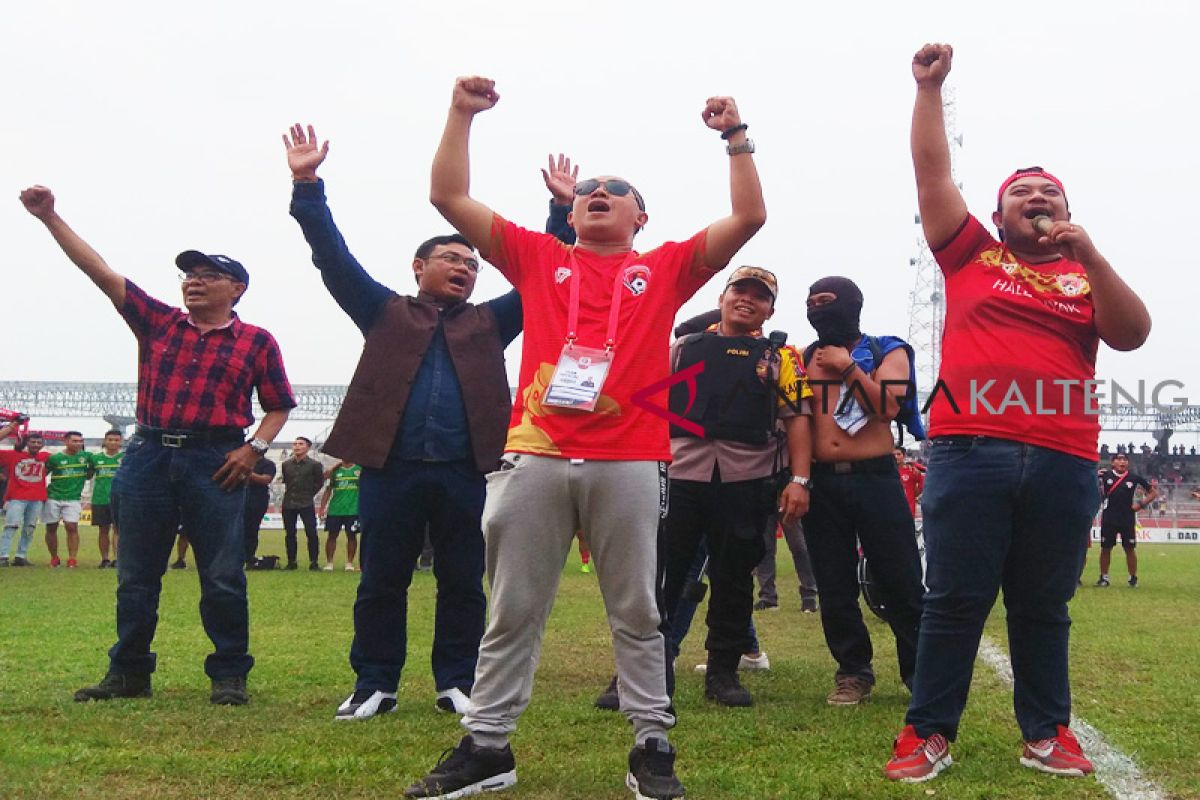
(72, 563)
(1061, 755)
(915, 760)
(54, 562)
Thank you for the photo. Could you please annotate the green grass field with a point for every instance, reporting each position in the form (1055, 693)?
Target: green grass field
(1134, 672)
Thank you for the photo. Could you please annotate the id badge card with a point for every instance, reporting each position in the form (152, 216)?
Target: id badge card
(578, 378)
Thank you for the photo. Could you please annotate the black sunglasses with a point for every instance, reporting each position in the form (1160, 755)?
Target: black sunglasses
(614, 186)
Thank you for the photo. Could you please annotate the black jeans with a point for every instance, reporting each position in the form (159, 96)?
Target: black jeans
(255, 509)
(729, 518)
(865, 506)
(309, 517)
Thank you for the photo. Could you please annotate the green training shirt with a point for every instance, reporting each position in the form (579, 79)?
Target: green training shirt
(68, 474)
(343, 502)
(106, 468)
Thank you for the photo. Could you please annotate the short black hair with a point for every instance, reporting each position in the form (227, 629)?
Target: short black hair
(454, 238)
(114, 432)
(304, 439)
(72, 433)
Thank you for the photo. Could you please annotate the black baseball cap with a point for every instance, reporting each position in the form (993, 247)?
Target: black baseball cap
(190, 259)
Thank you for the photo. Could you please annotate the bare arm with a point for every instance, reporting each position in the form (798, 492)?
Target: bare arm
(1121, 317)
(39, 201)
(450, 181)
(882, 392)
(794, 501)
(940, 202)
(749, 212)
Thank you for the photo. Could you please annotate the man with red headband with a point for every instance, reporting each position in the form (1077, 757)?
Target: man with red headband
(583, 451)
(1011, 485)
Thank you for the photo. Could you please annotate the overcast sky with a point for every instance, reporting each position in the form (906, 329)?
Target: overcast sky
(158, 127)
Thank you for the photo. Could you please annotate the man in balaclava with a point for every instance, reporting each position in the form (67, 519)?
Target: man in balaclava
(860, 384)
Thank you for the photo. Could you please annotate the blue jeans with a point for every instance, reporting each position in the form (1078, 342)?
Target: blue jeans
(23, 514)
(395, 504)
(157, 488)
(1000, 514)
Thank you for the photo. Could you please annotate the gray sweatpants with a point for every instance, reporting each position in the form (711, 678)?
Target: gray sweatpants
(534, 506)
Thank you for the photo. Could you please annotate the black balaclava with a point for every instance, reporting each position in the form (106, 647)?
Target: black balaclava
(836, 323)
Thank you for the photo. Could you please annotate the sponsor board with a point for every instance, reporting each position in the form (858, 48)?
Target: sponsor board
(1160, 535)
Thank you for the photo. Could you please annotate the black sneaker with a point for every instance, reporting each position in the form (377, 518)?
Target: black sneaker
(725, 688)
(467, 770)
(1133, 581)
(1103, 582)
(113, 685)
(609, 699)
(21, 562)
(3, 561)
(763, 605)
(180, 564)
(366, 703)
(292, 565)
(105, 564)
(808, 605)
(652, 772)
(229, 691)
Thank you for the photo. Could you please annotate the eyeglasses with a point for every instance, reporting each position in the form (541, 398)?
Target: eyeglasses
(614, 186)
(204, 277)
(454, 259)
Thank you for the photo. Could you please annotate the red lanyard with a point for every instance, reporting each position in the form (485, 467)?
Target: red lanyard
(614, 313)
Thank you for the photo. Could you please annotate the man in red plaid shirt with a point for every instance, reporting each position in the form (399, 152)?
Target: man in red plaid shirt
(188, 460)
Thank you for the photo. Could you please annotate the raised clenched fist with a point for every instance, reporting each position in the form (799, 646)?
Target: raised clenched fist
(474, 94)
(931, 64)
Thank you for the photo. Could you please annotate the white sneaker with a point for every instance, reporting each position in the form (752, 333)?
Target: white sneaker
(350, 567)
(744, 663)
(760, 662)
(328, 566)
(453, 701)
(364, 704)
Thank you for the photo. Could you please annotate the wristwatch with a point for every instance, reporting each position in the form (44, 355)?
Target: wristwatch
(737, 149)
(803, 480)
(259, 446)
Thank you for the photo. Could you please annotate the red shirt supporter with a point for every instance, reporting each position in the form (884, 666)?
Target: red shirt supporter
(26, 474)
(913, 481)
(1019, 346)
(654, 286)
(194, 381)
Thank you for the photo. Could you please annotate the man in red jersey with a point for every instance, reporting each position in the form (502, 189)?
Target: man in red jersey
(912, 478)
(25, 496)
(581, 453)
(1011, 485)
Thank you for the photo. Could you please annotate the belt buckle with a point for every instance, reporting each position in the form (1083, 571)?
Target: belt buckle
(842, 467)
(173, 440)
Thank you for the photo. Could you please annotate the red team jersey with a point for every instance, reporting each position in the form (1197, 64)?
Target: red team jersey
(655, 285)
(913, 481)
(26, 474)
(1029, 330)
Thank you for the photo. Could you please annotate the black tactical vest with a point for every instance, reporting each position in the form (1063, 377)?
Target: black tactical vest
(733, 401)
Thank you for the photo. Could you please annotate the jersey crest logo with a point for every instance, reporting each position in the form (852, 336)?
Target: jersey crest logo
(637, 279)
(561, 274)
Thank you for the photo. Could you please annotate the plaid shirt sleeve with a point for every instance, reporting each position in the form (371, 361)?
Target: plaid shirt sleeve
(142, 313)
(274, 390)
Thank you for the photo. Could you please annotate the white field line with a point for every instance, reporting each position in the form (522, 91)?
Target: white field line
(1118, 773)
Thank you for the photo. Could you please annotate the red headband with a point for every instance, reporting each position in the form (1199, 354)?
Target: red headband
(1034, 172)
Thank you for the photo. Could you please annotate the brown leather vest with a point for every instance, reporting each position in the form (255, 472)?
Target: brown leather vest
(373, 410)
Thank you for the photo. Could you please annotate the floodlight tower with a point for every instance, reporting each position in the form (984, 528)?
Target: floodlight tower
(927, 300)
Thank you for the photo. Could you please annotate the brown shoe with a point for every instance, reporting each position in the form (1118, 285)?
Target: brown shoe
(850, 691)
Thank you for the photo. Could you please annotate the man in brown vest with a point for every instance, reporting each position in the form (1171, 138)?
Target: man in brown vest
(426, 415)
